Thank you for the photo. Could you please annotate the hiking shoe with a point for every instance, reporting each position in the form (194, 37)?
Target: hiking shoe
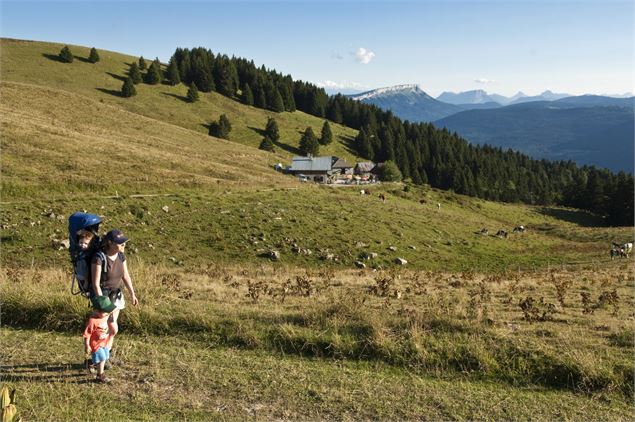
(102, 379)
(90, 367)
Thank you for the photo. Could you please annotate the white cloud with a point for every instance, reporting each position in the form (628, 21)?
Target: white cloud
(364, 56)
(340, 85)
(484, 80)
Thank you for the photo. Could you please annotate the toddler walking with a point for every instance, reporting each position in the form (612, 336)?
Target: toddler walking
(96, 335)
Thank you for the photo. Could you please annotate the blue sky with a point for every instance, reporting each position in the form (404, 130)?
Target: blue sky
(500, 46)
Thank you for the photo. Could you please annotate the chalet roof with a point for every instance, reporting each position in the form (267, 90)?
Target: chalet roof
(311, 163)
(365, 167)
(341, 164)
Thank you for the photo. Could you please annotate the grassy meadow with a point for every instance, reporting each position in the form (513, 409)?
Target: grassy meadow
(536, 326)
(36, 63)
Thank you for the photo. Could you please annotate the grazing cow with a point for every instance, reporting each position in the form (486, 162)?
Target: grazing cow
(621, 251)
(484, 231)
(367, 192)
(382, 197)
(502, 234)
(627, 249)
(362, 192)
(438, 206)
(519, 229)
(422, 201)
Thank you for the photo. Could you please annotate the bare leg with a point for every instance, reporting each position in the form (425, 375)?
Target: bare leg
(113, 328)
(100, 368)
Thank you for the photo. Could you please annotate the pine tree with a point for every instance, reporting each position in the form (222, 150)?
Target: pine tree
(142, 63)
(247, 96)
(362, 144)
(327, 136)
(128, 89)
(225, 125)
(65, 55)
(220, 128)
(267, 145)
(226, 72)
(309, 143)
(93, 57)
(192, 93)
(134, 73)
(172, 73)
(153, 75)
(271, 129)
(276, 104)
(259, 98)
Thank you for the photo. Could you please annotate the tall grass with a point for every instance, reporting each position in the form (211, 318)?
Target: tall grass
(339, 322)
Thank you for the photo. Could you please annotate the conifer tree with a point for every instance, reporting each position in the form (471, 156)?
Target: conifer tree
(225, 125)
(326, 136)
(153, 75)
(128, 89)
(362, 144)
(259, 98)
(247, 96)
(134, 73)
(93, 57)
(220, 128)
(192, 93)
(142, 63)
(226, 79)
(172, 73)
(276, 104)
(335, 113)
(271, 129)
(65, 55)
(309, 143)
(267, 145)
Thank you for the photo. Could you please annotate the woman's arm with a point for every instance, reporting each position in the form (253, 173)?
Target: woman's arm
(95, 271)
(128, 283)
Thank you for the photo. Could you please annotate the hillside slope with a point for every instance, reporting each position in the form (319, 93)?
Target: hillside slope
(56, 142)
(36, 63)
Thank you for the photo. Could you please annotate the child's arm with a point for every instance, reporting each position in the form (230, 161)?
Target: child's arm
(127, 281)
(88, 331)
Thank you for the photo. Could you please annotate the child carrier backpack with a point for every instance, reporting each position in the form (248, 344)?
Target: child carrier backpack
(82, 258)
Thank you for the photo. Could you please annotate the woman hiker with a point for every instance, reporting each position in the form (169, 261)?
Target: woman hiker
(111, 281)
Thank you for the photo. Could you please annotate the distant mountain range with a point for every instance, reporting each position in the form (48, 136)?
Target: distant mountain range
(588, 129)
(408, 102)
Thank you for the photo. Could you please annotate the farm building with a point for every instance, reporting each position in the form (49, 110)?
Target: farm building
(342, 166)
(317, 169)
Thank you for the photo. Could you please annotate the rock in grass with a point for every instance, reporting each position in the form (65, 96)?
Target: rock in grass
(360, 264)
(400, 261)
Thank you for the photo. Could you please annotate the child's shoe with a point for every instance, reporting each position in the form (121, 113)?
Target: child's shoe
(90, 367)
(102, 379)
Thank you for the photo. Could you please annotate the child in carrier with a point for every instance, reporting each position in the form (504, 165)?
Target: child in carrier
(96, 337)
(84, 243)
